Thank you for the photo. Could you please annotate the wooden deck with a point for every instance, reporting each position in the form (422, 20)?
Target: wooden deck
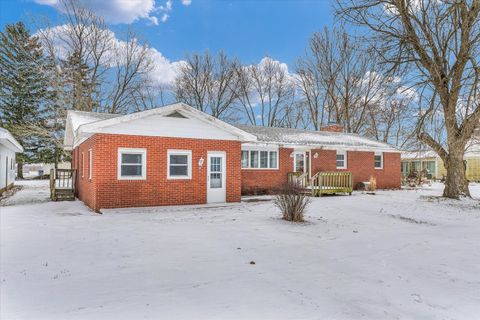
(323, 182)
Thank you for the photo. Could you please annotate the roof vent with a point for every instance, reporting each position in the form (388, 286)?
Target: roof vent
(176, 114)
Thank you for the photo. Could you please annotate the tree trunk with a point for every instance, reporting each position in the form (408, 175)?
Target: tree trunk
(20, 170)
(456, 184)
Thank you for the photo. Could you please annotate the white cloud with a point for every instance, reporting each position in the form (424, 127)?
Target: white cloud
(124, 11)
(163, 73)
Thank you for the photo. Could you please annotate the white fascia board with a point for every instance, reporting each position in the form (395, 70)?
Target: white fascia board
(9, 141)
(300, 146)
(97, 126)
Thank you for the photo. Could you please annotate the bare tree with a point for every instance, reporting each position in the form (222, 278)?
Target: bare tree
(97, 72)
(267, 87)
(206, 83)
(438, 43)
(340, 80)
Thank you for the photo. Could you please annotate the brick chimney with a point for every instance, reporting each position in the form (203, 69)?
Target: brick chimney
(332, 127)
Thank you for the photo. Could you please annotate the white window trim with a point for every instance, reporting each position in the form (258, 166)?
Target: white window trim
(90, 164)
(188, 153)
(249, 150)
(345, 164)
(83, 165)
(381, 160)
(132, 151)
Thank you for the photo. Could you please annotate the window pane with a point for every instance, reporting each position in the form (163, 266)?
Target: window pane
(300, 162)
(378, 161)
(340, 157)
(215, 180)
(253, 159)
(177, 170)
(273, 159)
(244, 159)
(129, 170)
(178, 159)
(340, 163)
(215, 164)
(263, 159)
(131, 158)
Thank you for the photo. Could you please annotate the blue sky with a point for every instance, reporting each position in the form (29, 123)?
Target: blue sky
(249, 30)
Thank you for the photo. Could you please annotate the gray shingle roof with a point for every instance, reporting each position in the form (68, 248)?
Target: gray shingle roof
(336, 140)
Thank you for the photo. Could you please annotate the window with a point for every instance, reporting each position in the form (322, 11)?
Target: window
(263, 159)
(245, 159)
(90, 164)
(11, 163)
(273, 159)
(378, 160)
(259, 159)
(299, 163)
(341, 159)
(83, 165)
(179, 164)
(132, 164)
(253, 159)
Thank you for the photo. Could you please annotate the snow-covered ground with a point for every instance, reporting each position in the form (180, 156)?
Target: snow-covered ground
(394, 255)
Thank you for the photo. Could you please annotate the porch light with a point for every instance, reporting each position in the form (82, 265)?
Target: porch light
(200, 162)
(315, 155)
(291, 155)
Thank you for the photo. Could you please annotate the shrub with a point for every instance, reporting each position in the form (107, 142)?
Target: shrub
(291, 202)
(372, 184)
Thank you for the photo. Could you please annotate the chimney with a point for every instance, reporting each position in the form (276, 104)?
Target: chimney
(332, 126)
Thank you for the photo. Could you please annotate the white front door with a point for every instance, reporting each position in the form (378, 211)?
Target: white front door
(216, 177)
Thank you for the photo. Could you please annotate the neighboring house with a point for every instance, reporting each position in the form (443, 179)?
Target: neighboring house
(178, 155)
(417, 161)
(8, 147)
(32, 170)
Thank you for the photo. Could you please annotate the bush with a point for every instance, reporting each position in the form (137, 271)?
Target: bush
(372, 184)
(292, 203)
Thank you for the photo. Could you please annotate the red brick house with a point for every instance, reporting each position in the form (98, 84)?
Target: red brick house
(179, 155)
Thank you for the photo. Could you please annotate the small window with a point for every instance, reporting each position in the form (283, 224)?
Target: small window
(244, 159)
(90, 164)
(179, 164)
(253, 159)
(378, 160)
(341, 159)
(83, 165)
(11, 163)
(132, 164)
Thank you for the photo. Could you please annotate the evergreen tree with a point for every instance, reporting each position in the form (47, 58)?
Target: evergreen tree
(24, 91)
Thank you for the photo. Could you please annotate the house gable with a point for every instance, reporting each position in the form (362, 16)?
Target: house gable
(177, 120)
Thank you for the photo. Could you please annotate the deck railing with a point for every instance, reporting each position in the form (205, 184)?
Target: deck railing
(62, 184)
(332, 182)
(299, 179)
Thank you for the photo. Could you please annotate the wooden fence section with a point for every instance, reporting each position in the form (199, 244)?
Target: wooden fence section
(62, 184)
(299, 179)
(332, 182)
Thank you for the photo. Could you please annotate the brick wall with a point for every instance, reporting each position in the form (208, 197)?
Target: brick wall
(106, 191)
(260, 181)
(360, 163)
(85, 187)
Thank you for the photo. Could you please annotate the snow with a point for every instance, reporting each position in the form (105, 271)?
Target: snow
(79, 118)
(394, 255)
(325, 139)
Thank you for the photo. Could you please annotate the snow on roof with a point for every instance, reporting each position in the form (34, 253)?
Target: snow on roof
(78, 118)
(326, 139)
(9, 141)
(419, 154)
